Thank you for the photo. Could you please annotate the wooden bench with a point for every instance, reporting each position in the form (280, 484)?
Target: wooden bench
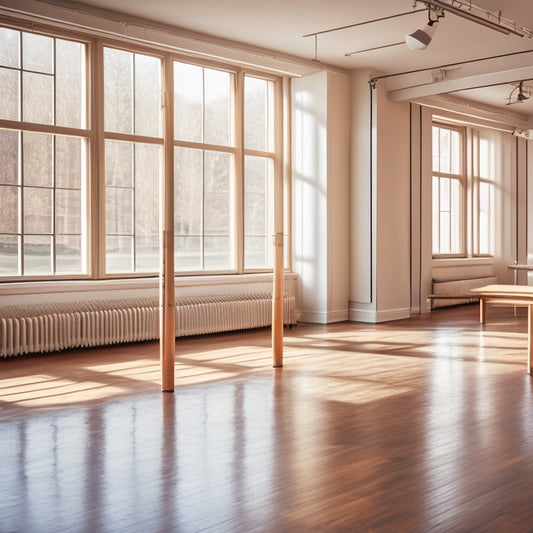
(515, 295)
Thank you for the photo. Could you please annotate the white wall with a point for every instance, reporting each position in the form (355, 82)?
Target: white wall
(380, 223)
(320, 193)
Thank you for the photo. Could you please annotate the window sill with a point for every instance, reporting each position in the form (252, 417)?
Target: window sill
(463, 261)
(133, 284)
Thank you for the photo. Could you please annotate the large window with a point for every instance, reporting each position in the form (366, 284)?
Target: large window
(133, 155)
(484, 174)
(465, 174)
(204, 168)
(82, 158)
(258, 171)
(43, 155)
(449, 186)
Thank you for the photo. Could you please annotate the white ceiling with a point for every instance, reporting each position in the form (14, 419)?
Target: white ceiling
(280, 26)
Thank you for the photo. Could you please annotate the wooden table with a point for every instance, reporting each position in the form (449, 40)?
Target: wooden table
(517, 295)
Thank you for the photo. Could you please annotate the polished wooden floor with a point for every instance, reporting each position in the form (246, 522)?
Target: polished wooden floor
(421, 425)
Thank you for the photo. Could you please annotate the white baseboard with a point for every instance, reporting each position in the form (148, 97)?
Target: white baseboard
(373, 317)
(323, 317)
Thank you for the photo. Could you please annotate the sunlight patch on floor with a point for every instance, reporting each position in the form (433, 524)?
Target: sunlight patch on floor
(349, 390)
(49, 391)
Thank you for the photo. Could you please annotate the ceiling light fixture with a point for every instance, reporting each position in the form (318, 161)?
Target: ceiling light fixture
(519, 97)
(420, 39)
(490, 19)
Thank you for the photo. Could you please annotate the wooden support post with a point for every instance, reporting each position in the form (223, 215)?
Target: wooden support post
(282, 99)
(482, 309)
(277, 303)
(167, 298)
(529, 341)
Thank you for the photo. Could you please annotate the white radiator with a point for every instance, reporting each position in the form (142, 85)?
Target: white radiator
(52, 327)
(445, 288)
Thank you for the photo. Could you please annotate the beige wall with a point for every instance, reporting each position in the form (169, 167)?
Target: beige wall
(380, 205)
(320, 193)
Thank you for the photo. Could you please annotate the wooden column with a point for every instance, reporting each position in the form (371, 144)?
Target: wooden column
(277, 303)
(482, 310)
(282, 99)
(167, 299)
(529, 340)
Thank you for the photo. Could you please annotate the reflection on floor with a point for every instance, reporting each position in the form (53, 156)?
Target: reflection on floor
(415, 425)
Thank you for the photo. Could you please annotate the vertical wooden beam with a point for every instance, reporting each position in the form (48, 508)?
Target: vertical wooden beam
(277, 303)
(167, 298)
(277, 289)
(529, 340)
(482, 309)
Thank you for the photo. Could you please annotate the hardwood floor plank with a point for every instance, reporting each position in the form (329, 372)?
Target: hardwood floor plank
(416, 425)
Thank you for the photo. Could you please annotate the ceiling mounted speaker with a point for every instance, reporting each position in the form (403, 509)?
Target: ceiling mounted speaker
(420, 39)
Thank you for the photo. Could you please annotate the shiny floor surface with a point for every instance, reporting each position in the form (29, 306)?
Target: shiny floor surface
(420, 425)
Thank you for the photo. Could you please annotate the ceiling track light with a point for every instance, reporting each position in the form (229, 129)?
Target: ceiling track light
(420, 39)
(519, 97)
(489, 19)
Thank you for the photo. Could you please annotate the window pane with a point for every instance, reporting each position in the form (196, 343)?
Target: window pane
(9, 103)
(118, 90)
(147, 177)
(70, 84)
(119, 210)
(436, 157)
(188, 196)
(257, 116)
(187, 253)
(38, 159)
(10, 49)
(38, 98)
(444, 150)
(217, 253)
(217, 107)
(119, 164)
(69, 157)
(119, 254)
(147, 95)
(132, 206)
(455, 153)
(202, 104)
(455, 217)
(68, 212)
(9, 207)
(484, 159)
(9, 254)
(444, 233)
(9, 157)
(68, 254)
(188, 102)
(38, 254)
(436, 215)
(217, 188)
(217, 210)
(37, 210)
(38, 53)
(444, 194)
(258, 212)
(203, 207)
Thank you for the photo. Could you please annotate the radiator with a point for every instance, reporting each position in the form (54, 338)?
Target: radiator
(447, 287)
(53, 327)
